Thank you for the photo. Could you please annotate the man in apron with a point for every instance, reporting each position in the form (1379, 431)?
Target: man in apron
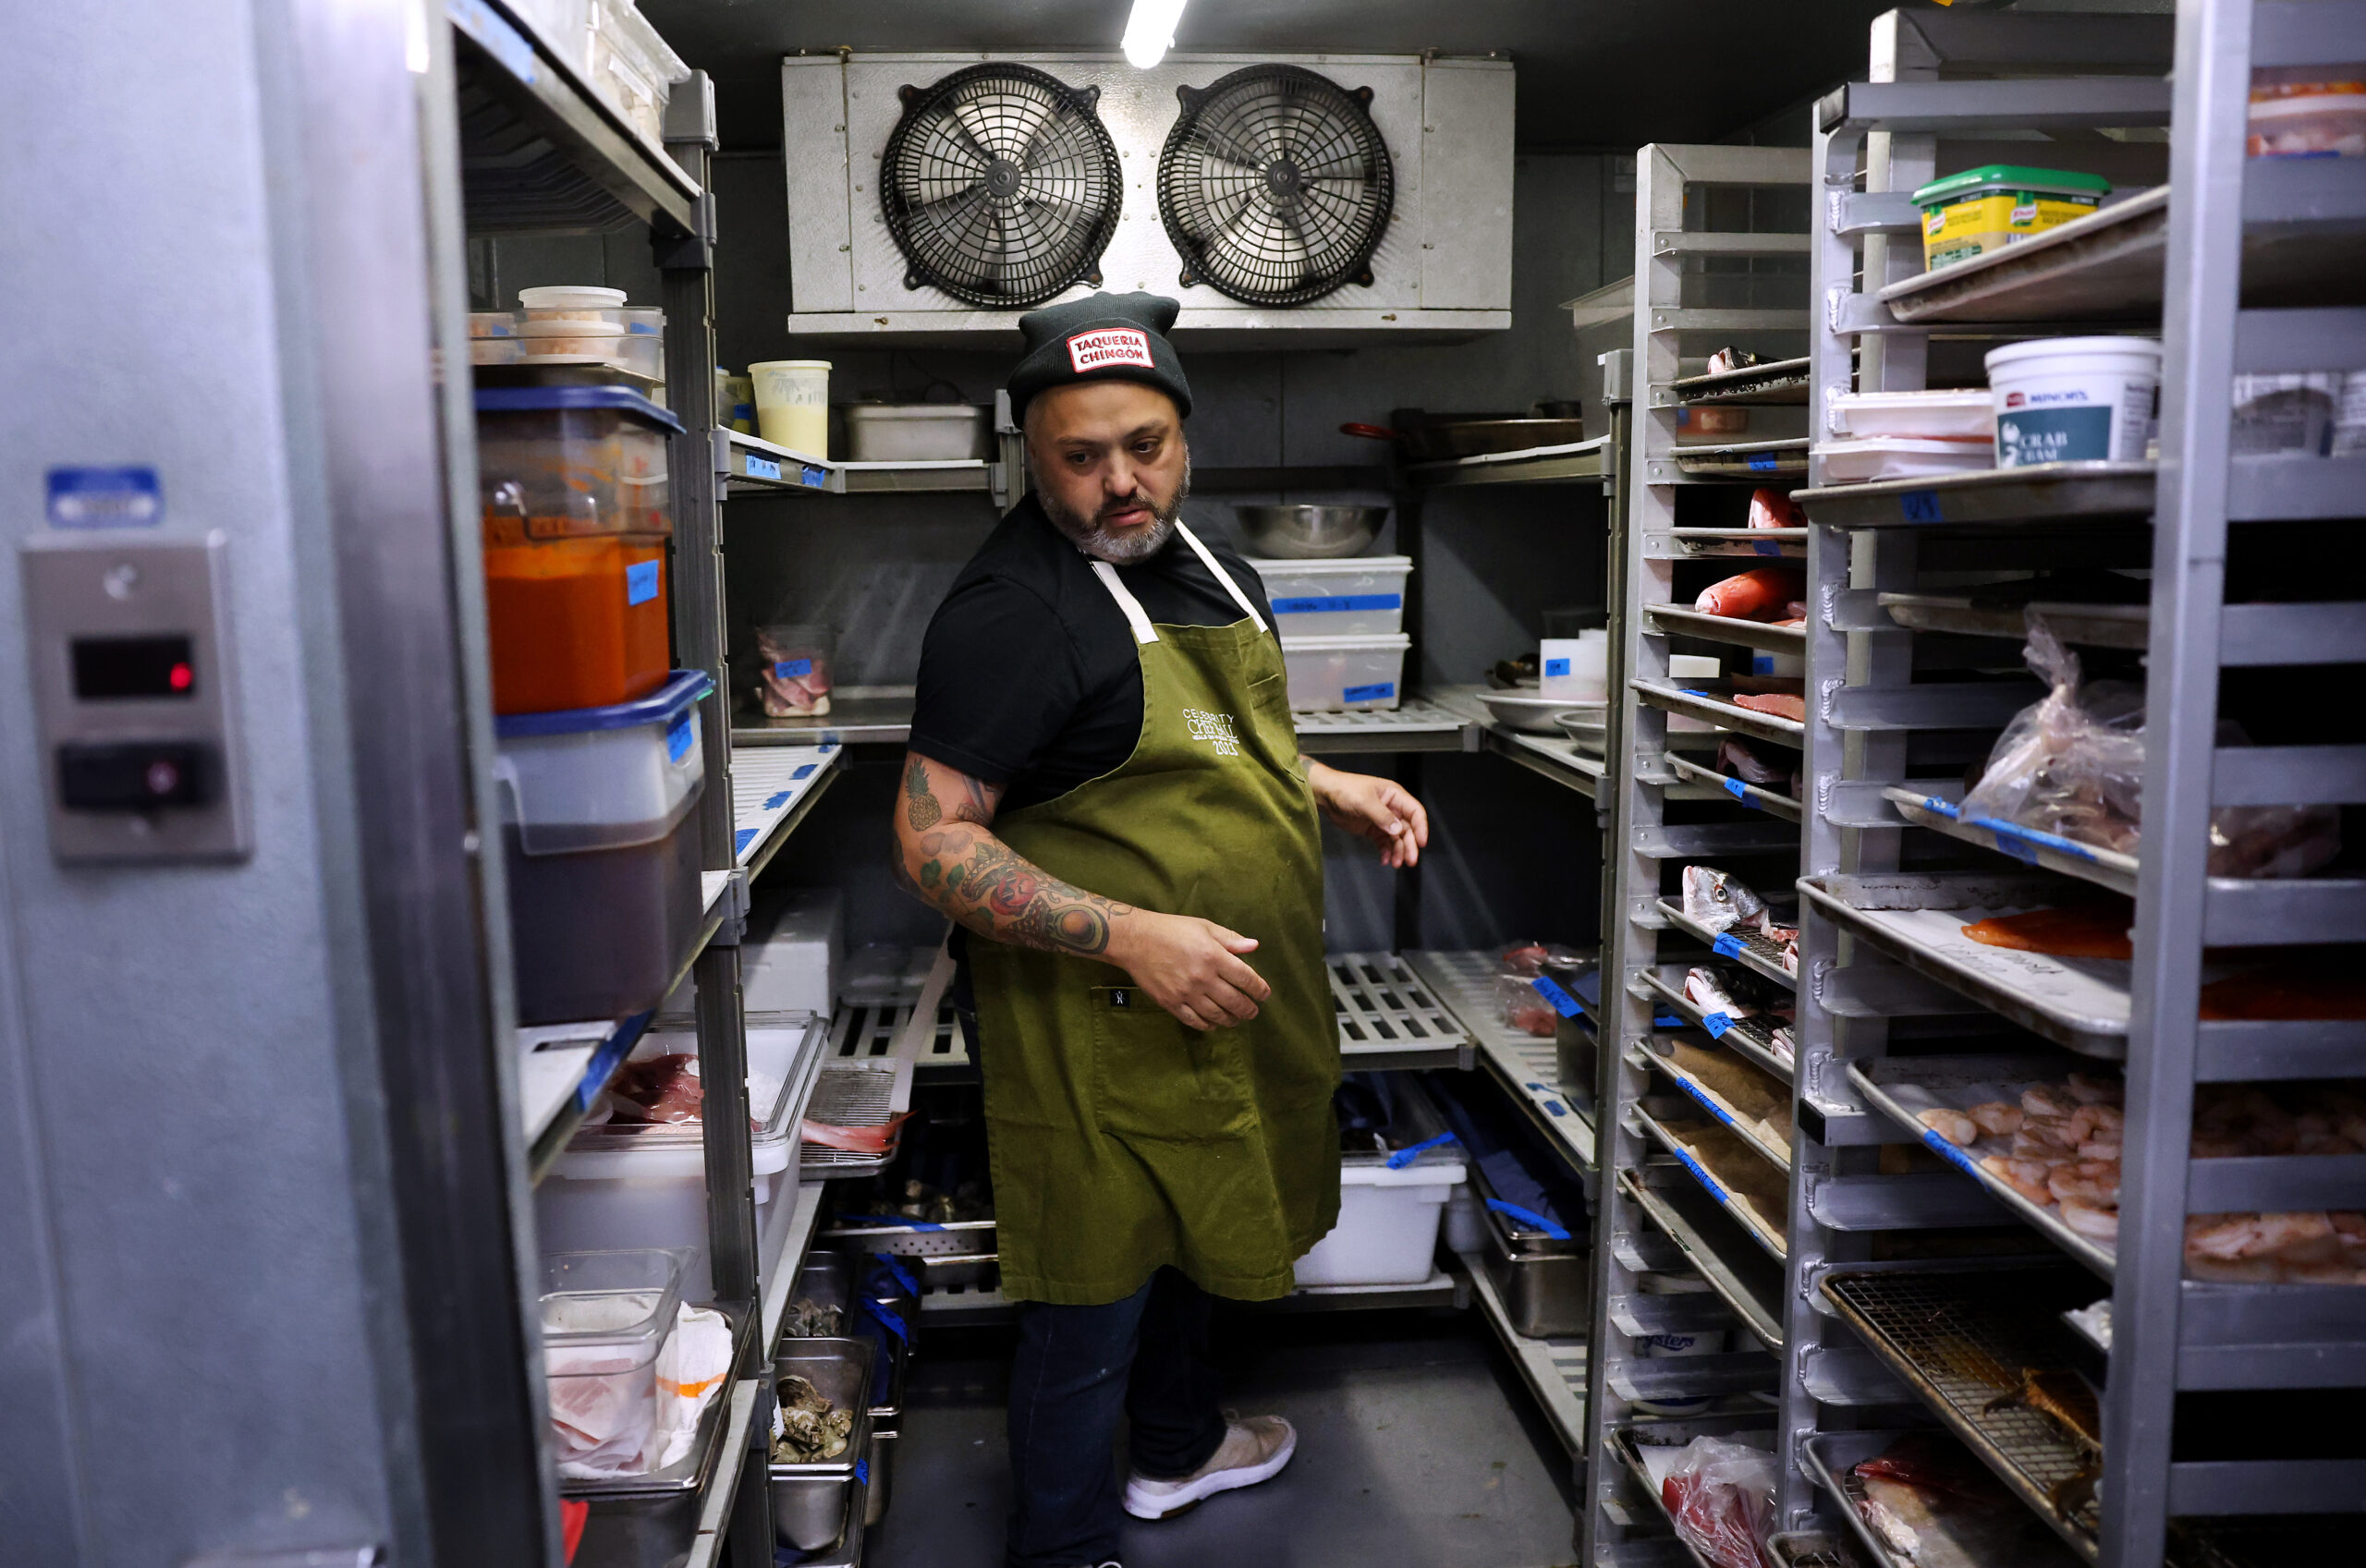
(1104, 790)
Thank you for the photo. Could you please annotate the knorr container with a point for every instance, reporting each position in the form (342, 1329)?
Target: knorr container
(1999, 205)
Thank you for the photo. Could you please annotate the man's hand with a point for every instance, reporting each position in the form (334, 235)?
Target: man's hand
(1372, 809)
(1192, 968)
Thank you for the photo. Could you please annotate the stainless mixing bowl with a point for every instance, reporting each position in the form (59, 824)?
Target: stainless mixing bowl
(1307, 534)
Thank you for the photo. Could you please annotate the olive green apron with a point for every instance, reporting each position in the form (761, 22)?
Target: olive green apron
(1121, 1139)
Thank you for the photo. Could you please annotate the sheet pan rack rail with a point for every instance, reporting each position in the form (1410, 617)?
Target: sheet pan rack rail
(539, 151)
(1767, 462)
(1702, 544)
(1703, 1242)
(1548, 756)
(772, 791)
(1686, 622)
(1681, 1143)
(2269, 487)
(1577, 462)
(1525, 1065)
(1658, 1057)
(750, 466)
(1687, 780)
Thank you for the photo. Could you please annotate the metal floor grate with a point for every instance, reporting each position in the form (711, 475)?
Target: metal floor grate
(847, 1094)
(1382, 1005)
(1963, 1339)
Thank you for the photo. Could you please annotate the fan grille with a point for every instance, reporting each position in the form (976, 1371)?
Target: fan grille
(1000, 185)
(1275, 185)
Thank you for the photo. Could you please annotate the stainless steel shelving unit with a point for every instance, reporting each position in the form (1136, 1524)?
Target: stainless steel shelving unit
(1663, 1212)
(2206, 257)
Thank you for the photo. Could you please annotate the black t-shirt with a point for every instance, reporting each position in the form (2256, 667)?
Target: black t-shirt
(1029, 675)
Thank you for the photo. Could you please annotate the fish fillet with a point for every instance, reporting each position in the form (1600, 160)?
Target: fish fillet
(2083, 931)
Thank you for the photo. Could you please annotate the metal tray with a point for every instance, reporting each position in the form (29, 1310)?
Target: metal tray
(1769, 1239)
(1755, 795)
(1624, 1443)
(828, 1279)
(2037, 493)
(2105, 867)
(1903, 1086)
(2088, 626)
(1749, 949)
(2104, 267)
(814, 1504)
(1708, 701)
(850, 1500)
(912, 1238)
(1744, 1037)
(1806, 1549)
(1776, 381)
(1546, 1285)
(1709, 1100)
(1749, 1286)
(1729, 628)
(1960, 1337)
(1763, 460)
(1785, 544)
(2080, 1002)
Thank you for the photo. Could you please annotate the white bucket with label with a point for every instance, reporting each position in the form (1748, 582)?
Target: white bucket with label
(2075, 399)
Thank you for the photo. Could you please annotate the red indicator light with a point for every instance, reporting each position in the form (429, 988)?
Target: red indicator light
(182, 677)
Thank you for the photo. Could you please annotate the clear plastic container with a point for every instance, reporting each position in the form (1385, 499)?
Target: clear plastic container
(572, 302)
(917, 433)
(1333, 675)
(1361, 596)
(2307, 111)
(1903, 457)
(603, 340)
(576, 510)
(601, 841)
(793, 669)
(793, 404)
(643, 349)
(606, 1315)
(1966, 415)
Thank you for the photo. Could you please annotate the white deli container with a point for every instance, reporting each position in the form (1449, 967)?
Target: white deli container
(793, 405)
(917, 433)
(1358, 596)
(572, 302)
(1333, 674)
(1967, 414)
(643, 1184)
(1904, 457)
(1575, 667)
(2075, 399)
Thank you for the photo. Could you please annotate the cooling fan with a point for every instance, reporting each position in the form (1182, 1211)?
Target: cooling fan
(1000, 185)
(1275, 185)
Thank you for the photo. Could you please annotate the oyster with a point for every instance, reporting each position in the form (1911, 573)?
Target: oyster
(807, 1428)
(810, 1319)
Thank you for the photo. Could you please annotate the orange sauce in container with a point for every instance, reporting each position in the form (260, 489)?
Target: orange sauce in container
(575, 623)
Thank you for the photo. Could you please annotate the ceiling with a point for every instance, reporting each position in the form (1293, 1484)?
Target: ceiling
(1593, 73)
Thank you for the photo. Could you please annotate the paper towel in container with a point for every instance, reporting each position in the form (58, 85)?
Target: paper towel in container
(610, 1417)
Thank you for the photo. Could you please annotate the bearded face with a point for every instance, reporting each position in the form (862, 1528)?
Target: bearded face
(1108, 461)
(1111, 533)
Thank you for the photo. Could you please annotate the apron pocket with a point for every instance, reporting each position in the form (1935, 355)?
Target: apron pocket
(1153, 1077)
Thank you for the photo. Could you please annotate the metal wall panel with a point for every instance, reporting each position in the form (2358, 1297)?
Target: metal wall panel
(814, 143)
(1467, 172)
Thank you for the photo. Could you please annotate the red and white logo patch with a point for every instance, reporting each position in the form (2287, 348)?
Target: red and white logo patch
(1104, 346)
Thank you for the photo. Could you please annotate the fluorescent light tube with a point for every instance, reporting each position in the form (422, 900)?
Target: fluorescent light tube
(1150, 29)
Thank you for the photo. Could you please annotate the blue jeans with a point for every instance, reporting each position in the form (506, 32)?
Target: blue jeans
(1075, 1369)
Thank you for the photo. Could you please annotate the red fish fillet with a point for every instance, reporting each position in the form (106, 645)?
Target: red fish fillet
(1781, 704)
(1760, 594)
(2083, 931)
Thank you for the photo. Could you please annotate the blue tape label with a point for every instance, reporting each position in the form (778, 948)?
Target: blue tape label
(1727, 945)
(1739, 791)
(1327, 605)
(774, 802)
(1921, 507)
(1766, 547)
(1763, 462)
(1703, 1176)
(105, 498)
(813, 478)
(762, 467)
(1557, 666)
(862, 1470)
(2015, 846)
(1555, 1107)
(641, 581)
(894, 1266)
(679, 736)
(1716, 1024)
(888, 1319)
(1562, 1003)
(1380, 693)
(804, 770)
(1946, 808)
(740, 839)
(790, 669)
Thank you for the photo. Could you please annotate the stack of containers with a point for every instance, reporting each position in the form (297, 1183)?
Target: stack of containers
(875, 1299)
(1895, 435)
(600, 765)
(1342, 629)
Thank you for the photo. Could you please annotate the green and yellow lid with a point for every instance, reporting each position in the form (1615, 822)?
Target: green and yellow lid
(1991, 179)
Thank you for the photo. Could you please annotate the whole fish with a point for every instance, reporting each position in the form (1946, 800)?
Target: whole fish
(1719, 901)
(1712, 992)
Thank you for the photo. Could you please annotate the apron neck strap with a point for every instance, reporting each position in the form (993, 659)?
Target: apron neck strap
(1208, 560)
(1144, 630)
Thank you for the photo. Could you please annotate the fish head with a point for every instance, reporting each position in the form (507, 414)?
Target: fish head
(1717, 900)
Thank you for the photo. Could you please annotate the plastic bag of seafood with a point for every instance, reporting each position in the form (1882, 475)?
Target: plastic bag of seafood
(1721, 1497)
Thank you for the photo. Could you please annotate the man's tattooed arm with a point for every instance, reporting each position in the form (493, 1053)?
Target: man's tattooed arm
(947, 856)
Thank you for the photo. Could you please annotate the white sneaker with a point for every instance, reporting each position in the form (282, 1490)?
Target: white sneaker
(1254, 1449)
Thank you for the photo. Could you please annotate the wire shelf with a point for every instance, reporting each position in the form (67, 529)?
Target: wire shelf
(848, 1094)
(1384, 1009)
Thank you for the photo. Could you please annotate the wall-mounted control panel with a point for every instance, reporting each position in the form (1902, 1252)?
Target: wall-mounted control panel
(131, 684)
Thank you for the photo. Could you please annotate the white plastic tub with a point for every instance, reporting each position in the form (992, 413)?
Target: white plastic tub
(917, 433)
(643, 1184)
(2075, 399)
(1903, 457)
(572, 302)
(1387, 1233)
(1359, 596)
(795, 950)
(1335, 674)
(793, 404)
(1967, 415)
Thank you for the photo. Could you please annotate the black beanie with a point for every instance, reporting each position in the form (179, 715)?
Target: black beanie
(1104, 337)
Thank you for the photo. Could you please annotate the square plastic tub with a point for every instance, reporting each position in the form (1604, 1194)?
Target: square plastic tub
(1390, 1205)
(643, 1183)
(1336, 675)
(1902, 457)
(1967, 414)
(598, 834)
(606, 1317)
(558, 462)
(1361, 596)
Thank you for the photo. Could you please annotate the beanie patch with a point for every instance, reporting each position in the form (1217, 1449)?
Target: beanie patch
(1105, 347)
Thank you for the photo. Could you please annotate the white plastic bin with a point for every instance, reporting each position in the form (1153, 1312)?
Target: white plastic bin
(1903, 457)
(2072, 399)
(919, 432)
(1969, 414)
(1387, 1233)
(1333, 675)
(794, 952)
(1361, 596)
(643, 1184)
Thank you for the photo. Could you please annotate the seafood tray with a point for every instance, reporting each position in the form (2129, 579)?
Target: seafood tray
(849, 1094)
(1831, 1457)
(1711, 702)
(1905, 1087)
(1745, 1037)
(1775, 381)
(961, 1251)
(1784, 544)
(1968, 1339)
(2080, 1002)
(1730, 628)
(1757, 795)
(2044, 495)
(1749, 949)
(1649, 1462)
(1716, 1161)
(2088, 625)
(1760, 1137)
(1785, 458)
(1748, 1283)
(2050, 851)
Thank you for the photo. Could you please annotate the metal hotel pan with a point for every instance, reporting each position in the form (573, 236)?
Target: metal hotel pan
(815, 1505)
(827, 1279)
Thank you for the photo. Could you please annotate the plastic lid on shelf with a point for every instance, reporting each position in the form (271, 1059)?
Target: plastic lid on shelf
(570, 297)
(660, 706)
(540, 399)
(2010, 177)
(1339, 566)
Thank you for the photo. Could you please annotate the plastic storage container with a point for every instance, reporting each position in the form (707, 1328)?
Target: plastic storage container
(606, 1315)
(1903, 457)
(643, 1183)
(1575, 667)
(572, 302)
(2000, 204)
(793, 404)
(1946, 414)
(571, 340)
(1361, 596)
(917, 433)
(602, 851)
(1387, 1233)
(1336, 674)
(2307, 111)
(2072, 399)
(794, 952)
(577, 511)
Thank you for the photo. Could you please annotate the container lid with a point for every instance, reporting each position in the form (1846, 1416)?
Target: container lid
(2054, 347)
(537, 399)
(1373, 642)
(1931, 446)
(1344, 566)
(564, 296)
(2009, 176)
(788, 365)
(779, 1064)
(660, 706)
(572, 329)
(626, 1300)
